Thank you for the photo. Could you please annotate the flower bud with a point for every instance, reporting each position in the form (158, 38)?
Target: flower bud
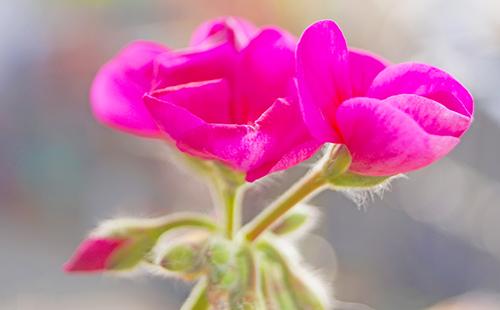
(110, 253)
(220, 261)
(181, 258)
(245, 295)
(94, 254)
(296, 222)
(122, 244)
(186, 256)
(291, 285)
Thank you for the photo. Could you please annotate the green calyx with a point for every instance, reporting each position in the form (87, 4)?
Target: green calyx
(336, 170)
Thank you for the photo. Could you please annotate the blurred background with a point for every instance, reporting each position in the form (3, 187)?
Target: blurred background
(433, 242)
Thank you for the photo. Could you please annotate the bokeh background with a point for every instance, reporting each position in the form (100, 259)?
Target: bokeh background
(433, 239)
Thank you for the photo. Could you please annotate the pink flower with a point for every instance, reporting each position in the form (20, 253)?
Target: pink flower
(93, 255)
(230, 96)
(392, 118)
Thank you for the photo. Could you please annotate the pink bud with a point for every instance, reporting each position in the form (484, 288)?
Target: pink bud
(93, 255)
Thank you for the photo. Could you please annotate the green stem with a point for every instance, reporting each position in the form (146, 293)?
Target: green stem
(198, 299)
(184, 220)
(232, 211)
(226, 187)
(304, 188)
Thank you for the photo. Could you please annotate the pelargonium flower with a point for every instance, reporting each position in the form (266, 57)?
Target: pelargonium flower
(392, 118)
(230, 96)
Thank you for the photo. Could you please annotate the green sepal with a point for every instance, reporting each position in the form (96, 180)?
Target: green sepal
(336, 162)
(335, 169)
(133, 252)
(352, 180)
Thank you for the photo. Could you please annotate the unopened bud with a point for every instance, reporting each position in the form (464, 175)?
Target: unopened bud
(282, 279)
(181, 258)
(186, 256)
(297, 221)
(122, 244)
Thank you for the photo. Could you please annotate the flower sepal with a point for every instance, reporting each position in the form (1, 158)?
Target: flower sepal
(351, 180)
(335, 167)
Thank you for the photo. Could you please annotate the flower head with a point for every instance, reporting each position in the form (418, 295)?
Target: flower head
(230, 96)
(392, 118)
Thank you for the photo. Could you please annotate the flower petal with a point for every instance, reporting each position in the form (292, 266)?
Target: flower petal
(422, 80)
(194, 65)
(93, 254)
(432, 116)
(208, 100)
(323, 77)
(171, 107)
(268, 145)
(286, 145)
(265, 72)
(363, 68)
(117, 90)
(236, 30)
(384, 140)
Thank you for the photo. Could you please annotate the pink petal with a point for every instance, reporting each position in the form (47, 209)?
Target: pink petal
(432, 116)
(364, 67)
(422, 80)
(117, 90)
(195, 136)
(238, 31)
(384, 140)
(194, 65)
(323, 77)
(286, 145)
(208, 100)
(266, 146)
(170, 107)
(92, 255)
(265, 73)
